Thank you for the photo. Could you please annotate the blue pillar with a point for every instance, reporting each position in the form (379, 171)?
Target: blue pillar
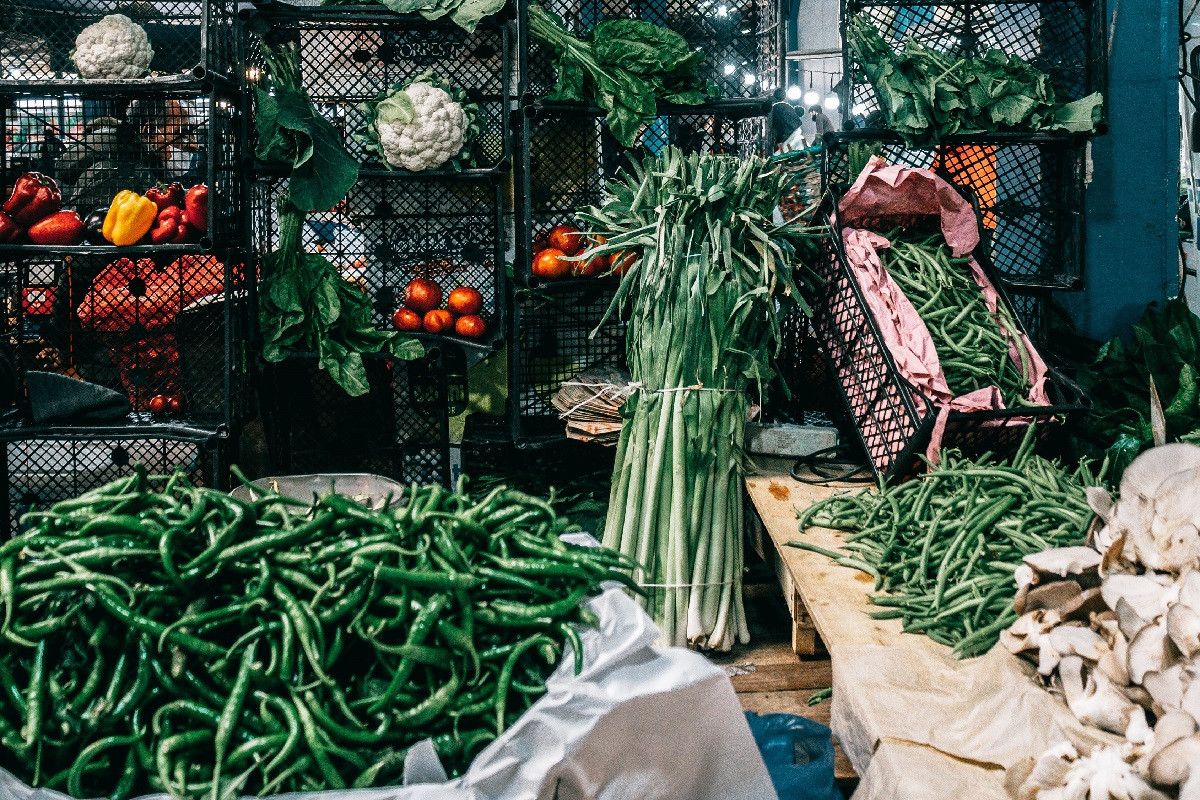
(1132, 238)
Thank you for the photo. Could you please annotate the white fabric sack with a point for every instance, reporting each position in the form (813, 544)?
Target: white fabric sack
(640, 722)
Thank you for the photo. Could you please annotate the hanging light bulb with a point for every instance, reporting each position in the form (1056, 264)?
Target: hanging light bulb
(811, 98)
(722, 10)
(793, 93)
(832, 102)
(749, 78)
(729, 68)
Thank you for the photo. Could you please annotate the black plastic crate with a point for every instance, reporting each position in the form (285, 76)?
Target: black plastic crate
(1029, 189)
(552, 340)
(893, 419)
(351, 55)
(399, 430)
(566, 157)
(742, 42)
(191, 39)
(804, 391)
(41, 466)
(391, 229)
(1063, 38)
(147, 323)
(97, 144)
(1034, 310)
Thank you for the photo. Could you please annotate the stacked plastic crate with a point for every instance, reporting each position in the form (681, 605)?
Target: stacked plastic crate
(394, 226)
(564, 154)
(1028, 187)
(162, 325)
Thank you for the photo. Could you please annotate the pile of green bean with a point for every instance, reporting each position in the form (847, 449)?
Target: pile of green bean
(944, 545)
(973, 351)
(159, 636)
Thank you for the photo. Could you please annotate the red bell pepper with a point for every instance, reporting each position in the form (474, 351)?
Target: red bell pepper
(171, 227)
(61, 227)
(9, 230)
(34, 197)
(196, 203)
(166, 196)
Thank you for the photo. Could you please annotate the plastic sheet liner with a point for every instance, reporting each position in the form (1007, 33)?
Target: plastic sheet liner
(640, 722)
(915, 722)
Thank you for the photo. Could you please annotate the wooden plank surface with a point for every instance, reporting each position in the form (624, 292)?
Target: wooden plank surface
(835, 598)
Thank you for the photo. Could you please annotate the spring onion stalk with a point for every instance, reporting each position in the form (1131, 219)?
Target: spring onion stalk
(705, 301)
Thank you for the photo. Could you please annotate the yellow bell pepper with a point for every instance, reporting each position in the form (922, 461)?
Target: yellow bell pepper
(129, 218)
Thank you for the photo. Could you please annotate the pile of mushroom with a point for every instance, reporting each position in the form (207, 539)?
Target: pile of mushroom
(1114, 628)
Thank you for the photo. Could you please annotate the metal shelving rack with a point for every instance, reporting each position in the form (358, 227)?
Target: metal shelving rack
(564, 155)
(142, 320)
(445, 225)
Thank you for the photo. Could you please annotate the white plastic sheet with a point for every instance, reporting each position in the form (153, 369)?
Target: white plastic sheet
(639, 722)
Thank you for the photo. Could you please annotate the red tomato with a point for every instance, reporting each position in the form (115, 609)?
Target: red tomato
(621, 261)
(157, 404)
(405, 319)
(596, 265)
(439, 320)
(566, 238)
(174, 403)
(465, 300)
(471, 326)
(422, 295)
(550, 264)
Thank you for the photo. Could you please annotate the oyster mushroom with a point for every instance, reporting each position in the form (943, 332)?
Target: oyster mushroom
(1145, 598)
(1150, 651)
(1183, 626)
(1094, 701)
(1105, 774)
(1026, 633)
(1165, 687)
(1174, 764)
(1155, 514)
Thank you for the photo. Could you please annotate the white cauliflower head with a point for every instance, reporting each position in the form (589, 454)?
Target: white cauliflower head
(425, 138)
(114, 47)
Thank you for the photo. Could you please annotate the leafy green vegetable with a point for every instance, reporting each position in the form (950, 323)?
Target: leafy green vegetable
(1166, 346)
(925, 94)
(466, 14)
(292, 133)
(306, 306)
(304, 303)
(624, 66)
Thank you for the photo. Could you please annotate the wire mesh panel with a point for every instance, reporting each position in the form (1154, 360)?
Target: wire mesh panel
(398, 430)
(39, 468)
(567, 157)
(391, 230)
(1063, 38)
(95, 145)
(189, 38)
(1029, 188)
(146, 324)
(894, 420)
(552, 341)
(742, 42)
(350, 57)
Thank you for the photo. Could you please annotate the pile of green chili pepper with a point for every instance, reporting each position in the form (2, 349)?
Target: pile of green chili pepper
(944, 545)
(159, 636)
(972, 343)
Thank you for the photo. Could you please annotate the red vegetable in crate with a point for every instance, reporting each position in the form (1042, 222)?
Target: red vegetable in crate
(61, 227)
(34, 197)
(9, 230)
(196, 204)
(165, 196)
(172, 227)
(136, 303)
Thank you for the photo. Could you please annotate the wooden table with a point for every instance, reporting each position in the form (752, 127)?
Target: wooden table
(828, 601)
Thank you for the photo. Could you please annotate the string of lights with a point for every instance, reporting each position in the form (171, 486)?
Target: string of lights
(812, 96)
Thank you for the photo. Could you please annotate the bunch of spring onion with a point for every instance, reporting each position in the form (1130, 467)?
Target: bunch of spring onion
(705, 301)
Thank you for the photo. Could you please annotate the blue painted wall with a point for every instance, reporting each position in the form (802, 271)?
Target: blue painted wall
(1132, 239)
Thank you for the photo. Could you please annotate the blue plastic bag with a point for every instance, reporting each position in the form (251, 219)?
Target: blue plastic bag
(798, 753)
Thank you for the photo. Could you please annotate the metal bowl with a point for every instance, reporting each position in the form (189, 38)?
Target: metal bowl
(372, 490)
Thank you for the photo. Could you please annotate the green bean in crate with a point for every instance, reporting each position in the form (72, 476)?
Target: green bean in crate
(943, 546)
(971, 341)
(160, 636)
